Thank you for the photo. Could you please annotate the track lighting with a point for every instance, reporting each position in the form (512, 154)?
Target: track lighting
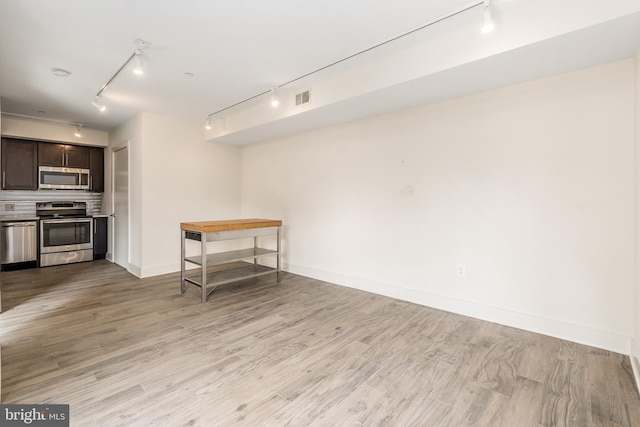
(488, 25)
(77, 133)
(137, 63)
(135, 56)
(275, 100)
(207, 124)
(100, 107)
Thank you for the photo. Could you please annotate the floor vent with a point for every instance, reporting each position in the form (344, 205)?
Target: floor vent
(303, 97)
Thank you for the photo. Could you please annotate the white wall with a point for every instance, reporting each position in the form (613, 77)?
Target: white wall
(128, 134)
(50, 131)
(176, 176)
(530, 186)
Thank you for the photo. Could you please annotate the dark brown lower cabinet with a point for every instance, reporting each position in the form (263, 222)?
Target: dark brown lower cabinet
(100, 227)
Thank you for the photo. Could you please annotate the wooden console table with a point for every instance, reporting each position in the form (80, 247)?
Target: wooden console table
(229, 267)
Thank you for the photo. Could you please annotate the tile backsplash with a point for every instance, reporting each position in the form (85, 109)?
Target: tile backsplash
(24, 202)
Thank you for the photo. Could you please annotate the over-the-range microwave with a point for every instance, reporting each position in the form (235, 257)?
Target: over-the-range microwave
(59, 178)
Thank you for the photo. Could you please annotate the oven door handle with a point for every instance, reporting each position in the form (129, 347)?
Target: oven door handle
(66, 220)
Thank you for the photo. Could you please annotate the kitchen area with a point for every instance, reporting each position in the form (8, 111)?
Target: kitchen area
(51, 204)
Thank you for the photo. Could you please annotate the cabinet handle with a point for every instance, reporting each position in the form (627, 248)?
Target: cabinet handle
(90, 182)
(4, 179)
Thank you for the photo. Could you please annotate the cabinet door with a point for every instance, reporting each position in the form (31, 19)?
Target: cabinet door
(76, 156)
(69, 156)
(51, 154)
(100, 226)
(19, 164)
(96, 167)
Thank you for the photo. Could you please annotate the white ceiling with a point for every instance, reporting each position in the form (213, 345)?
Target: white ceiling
(235, 49)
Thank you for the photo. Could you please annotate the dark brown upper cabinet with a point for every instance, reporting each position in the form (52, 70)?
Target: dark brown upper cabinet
(96, 168)
(69, 156)
(19, 164)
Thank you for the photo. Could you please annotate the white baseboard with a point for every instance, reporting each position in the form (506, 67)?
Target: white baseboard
(135, 270)
(164, 269)
(577, 333)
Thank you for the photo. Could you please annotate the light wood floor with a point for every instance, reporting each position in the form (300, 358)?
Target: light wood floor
(132, 352)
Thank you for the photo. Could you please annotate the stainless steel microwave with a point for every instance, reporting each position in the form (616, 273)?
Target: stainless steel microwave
(58, 178)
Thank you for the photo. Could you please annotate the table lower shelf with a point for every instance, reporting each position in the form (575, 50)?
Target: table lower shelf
(231, 256)
(222, 277)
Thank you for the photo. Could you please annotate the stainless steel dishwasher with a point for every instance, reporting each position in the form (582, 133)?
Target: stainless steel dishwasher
(18, 242)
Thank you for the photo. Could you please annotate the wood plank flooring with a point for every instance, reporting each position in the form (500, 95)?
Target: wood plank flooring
(124, 351)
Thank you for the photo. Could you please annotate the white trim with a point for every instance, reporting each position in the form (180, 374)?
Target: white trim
(161, 269)
(577, 333)
(124, 145)
(135, 270)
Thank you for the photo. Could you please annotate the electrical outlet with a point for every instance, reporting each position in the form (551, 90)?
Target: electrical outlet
(461, 270)
(9, 207)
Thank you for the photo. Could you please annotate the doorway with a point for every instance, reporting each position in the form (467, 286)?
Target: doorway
(120, 236)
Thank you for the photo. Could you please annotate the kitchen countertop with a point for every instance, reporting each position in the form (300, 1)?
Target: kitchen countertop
(7, 218)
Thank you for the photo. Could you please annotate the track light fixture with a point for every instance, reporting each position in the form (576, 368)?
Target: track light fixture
(100, 107)
(137, 61)
(207, 124)
(488, 24)
(77, 133)
(275, 99)
(139, 45)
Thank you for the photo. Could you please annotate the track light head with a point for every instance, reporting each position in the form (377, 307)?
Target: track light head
(275, 99)
(100, 107)
(488, 24)
(207, 124)
(77, 133)
(137, 65)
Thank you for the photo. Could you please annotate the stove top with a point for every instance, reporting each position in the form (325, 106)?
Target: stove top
(61, 209)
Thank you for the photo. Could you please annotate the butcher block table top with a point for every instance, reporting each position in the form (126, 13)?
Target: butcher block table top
(229, 224)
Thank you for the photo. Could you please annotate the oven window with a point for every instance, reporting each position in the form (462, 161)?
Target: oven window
(66, 233)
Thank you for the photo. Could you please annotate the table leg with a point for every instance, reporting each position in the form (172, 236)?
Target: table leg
(182, 262)
(203, 264)
(278, 247)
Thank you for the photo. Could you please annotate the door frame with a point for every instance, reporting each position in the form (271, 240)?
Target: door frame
(124, 145)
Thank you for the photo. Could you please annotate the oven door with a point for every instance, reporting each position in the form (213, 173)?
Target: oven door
(65, 234)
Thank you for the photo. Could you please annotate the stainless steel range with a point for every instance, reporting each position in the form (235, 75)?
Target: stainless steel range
(66, 233)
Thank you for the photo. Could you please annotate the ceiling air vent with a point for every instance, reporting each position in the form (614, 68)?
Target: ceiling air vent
(303, 97)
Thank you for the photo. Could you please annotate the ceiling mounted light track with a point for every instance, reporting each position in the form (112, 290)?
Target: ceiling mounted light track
(487, 26)
(138, 46)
